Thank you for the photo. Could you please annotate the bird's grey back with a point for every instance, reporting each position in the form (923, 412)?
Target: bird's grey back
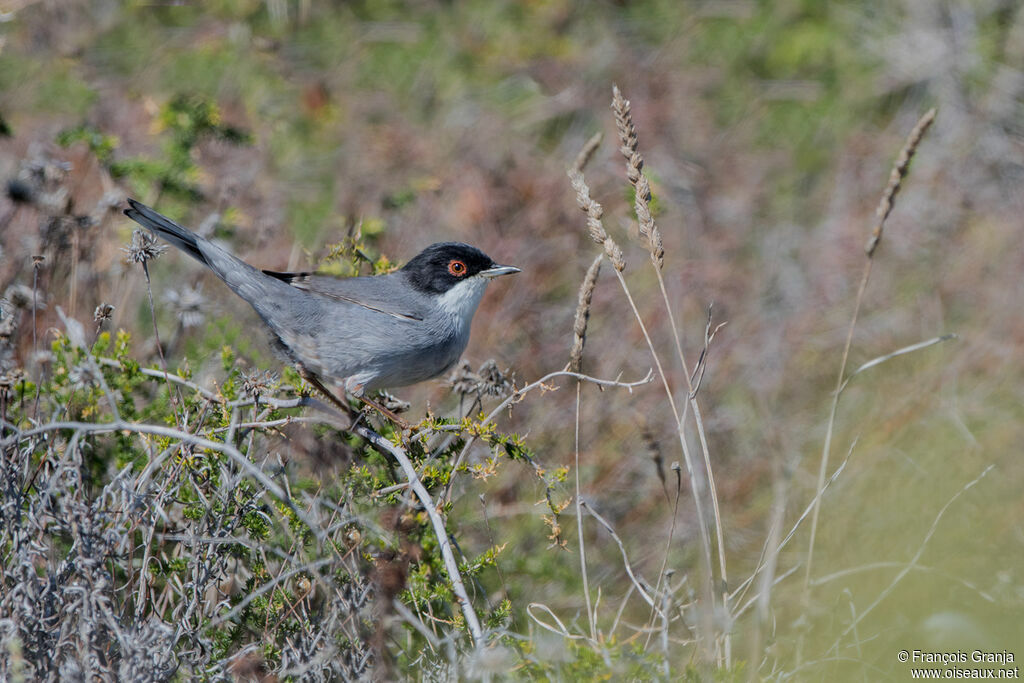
(378, 332)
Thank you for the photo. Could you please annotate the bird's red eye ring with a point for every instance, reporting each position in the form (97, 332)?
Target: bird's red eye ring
(457, 268)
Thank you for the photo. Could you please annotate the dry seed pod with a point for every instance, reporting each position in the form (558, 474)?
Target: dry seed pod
(635, 175)
(896, 176)
(594, 212)
(579, 328)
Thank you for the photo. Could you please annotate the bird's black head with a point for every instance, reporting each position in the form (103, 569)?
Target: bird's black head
(441, 266)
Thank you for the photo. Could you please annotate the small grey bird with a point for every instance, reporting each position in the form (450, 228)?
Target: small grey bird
(359, 333)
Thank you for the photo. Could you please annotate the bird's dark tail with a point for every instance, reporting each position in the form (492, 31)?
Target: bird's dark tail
(272, 298)
(178, 235)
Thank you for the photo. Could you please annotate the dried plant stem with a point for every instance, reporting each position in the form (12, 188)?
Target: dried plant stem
(640, 585)
(158, 430)
(173, 396)
(579, 330)
(587, 152)
(598, 233)
(36, 263)
(440, 532)
(687, 457)
(885, 207)
(780, 488)
(579, 520)
(740, 592)
(652, 235)
(712, 488)
(826, 449)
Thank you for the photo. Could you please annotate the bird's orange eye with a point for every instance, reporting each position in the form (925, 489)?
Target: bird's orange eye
(457, 268)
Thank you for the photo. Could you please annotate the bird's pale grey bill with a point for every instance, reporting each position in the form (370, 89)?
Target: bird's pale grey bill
(495, 271)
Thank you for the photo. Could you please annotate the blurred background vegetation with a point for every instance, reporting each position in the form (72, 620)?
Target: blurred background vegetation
(286, 127)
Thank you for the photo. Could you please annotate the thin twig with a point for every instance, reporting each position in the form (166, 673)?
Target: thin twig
(444, 544)
(173, 397)
(158, 430)
(625, 558)
(518, 396)
(579, 519)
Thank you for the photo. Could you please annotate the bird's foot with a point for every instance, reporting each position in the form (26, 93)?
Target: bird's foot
(311, 379)
(347, 409)
(402, 424)
(392, 402)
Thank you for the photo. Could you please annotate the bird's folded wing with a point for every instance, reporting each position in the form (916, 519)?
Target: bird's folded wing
(372, 293)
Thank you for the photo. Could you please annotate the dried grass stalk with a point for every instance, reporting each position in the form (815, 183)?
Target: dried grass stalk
(896, 176)
(634, 172)
(579, 328)
(885, 206)
(583, 158)
(594, 212)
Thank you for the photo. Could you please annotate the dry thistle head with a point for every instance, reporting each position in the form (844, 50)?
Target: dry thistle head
(634, 172)
(595, 228)
(579, 328)
(488, 380)
(256, 383)
(103, 313)
(144, 247)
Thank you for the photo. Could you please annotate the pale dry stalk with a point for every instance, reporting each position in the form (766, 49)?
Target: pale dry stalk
(630, 149)
(597, 232)
(587, 153)
(579, 330)
(885, 207)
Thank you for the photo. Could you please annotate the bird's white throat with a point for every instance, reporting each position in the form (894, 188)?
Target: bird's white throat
(462, 299)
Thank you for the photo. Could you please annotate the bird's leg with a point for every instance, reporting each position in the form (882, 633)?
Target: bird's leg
(385, 412)
(315, 383)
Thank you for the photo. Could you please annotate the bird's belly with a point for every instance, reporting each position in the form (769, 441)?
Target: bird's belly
(415, 366)
(404, 356)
